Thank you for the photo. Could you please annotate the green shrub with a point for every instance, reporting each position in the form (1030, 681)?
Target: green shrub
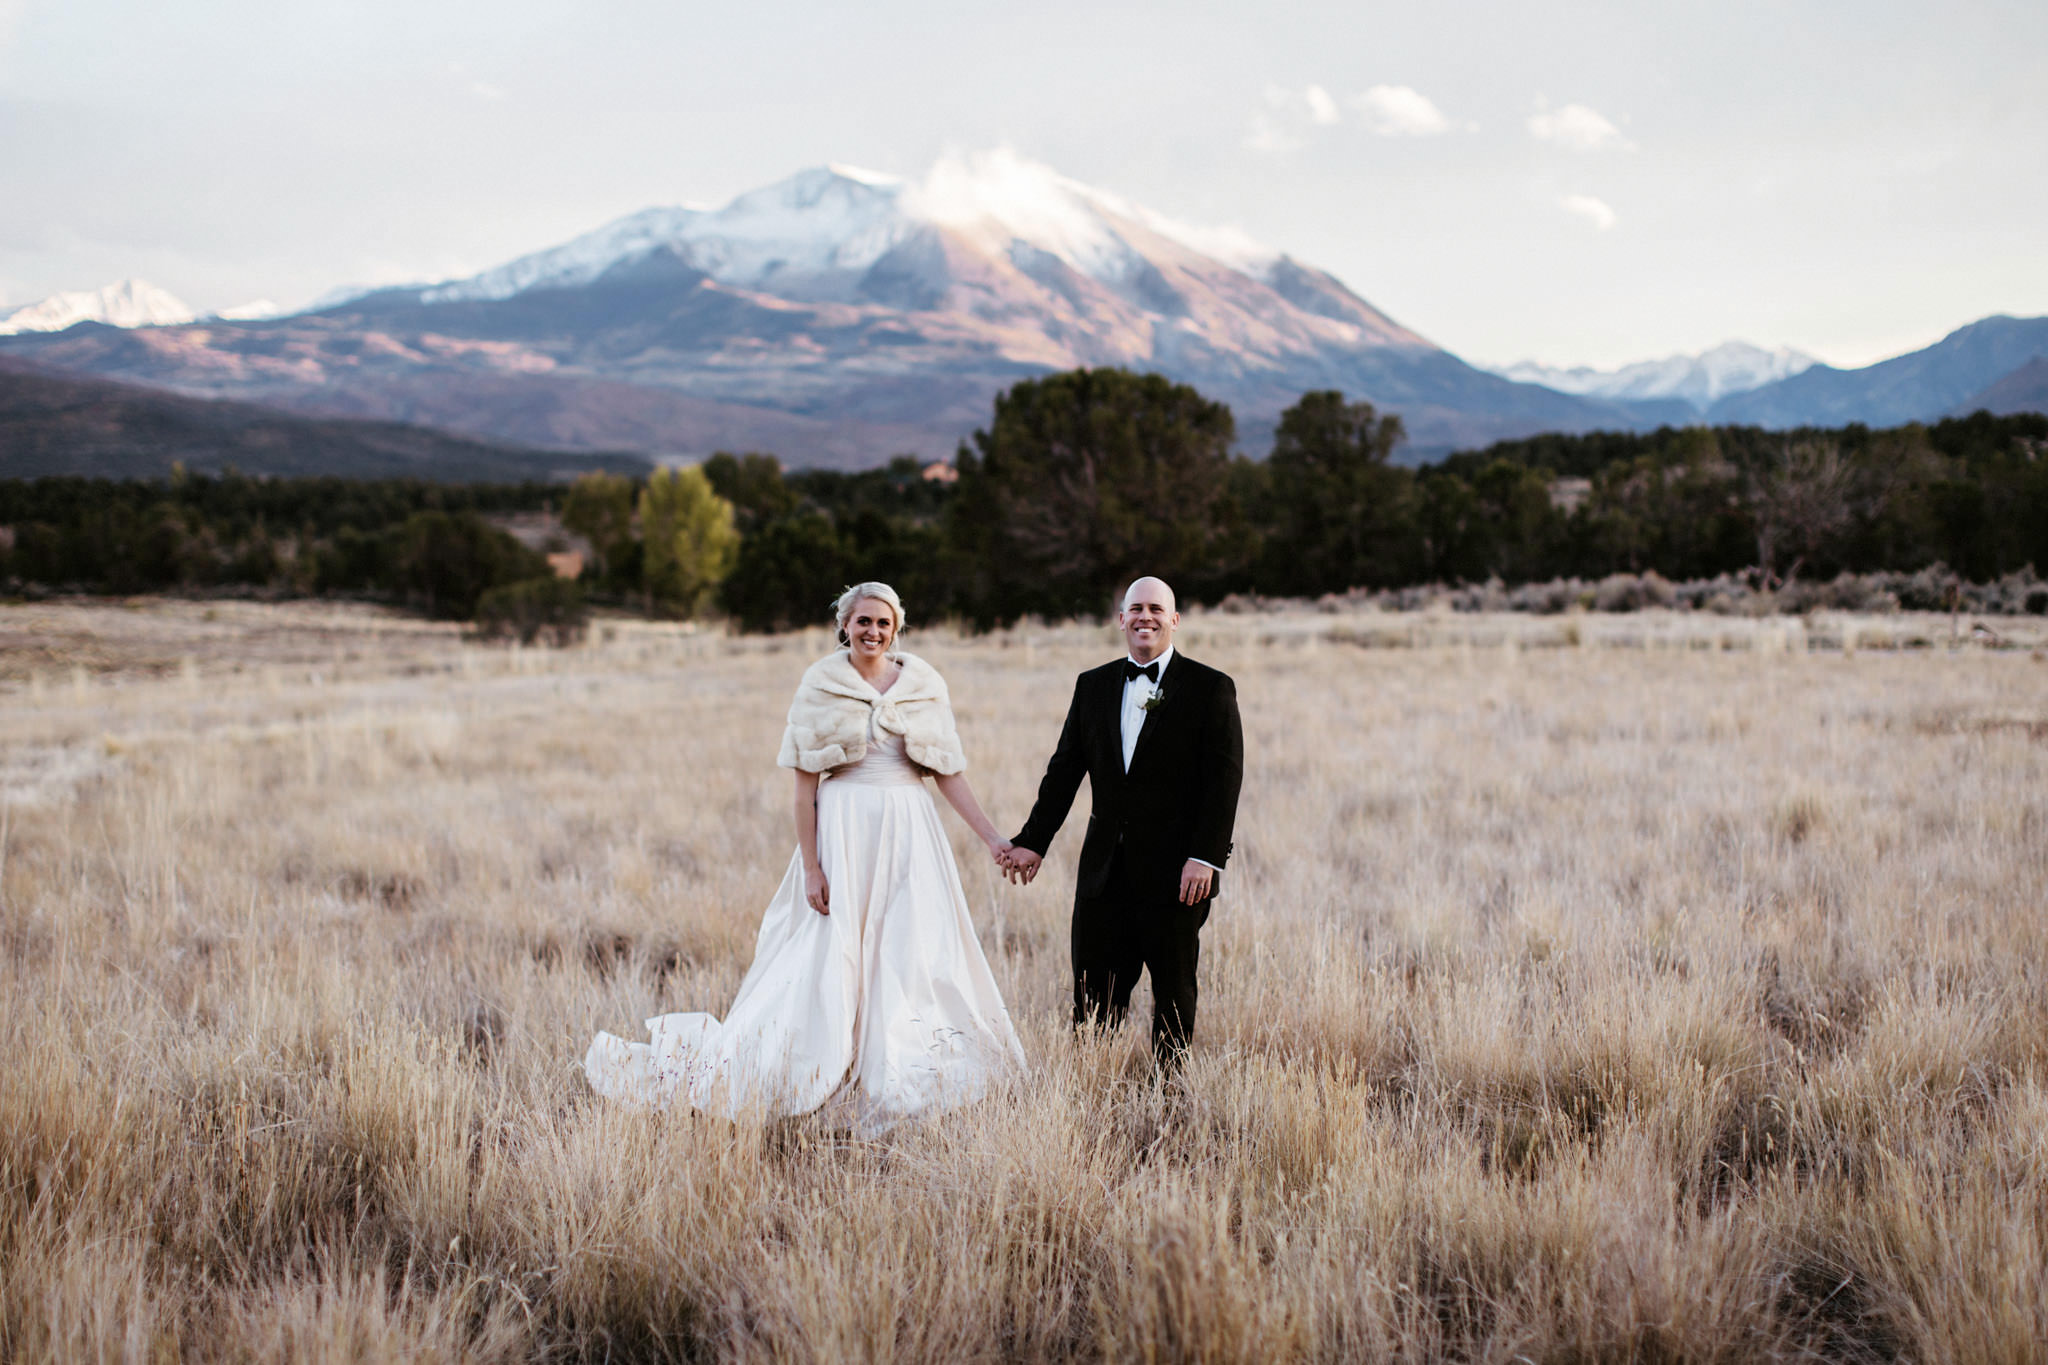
(533, 609)
(443, 563)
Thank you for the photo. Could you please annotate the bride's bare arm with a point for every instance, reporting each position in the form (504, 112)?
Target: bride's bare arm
(960, 797)
(816, 894)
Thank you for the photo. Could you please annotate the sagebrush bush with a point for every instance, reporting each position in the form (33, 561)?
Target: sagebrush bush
(534, 609)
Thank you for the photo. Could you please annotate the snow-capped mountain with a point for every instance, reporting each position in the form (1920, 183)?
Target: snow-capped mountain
(1732, 367)
(255, 310)
(815, 236)
(994, 238)
(130, 303)
(839, 317)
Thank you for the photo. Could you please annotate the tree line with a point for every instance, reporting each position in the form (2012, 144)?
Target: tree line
(1081, 480)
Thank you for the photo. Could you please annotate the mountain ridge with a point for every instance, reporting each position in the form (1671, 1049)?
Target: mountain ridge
(1699, 379)
(1918, 386)
(125, 303)
(891, 313)
(839, 317)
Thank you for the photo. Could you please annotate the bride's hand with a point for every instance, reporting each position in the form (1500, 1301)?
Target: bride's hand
(817, 894)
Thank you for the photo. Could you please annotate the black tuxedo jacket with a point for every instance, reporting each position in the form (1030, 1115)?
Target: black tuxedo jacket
(1178, 801)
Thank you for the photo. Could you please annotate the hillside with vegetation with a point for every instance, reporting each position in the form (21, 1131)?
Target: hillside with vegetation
(1080, 481)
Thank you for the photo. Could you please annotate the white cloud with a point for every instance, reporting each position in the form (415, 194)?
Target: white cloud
(1287, 117)
(1389, 110)
(472, 84)
(1594, 211)
(1399, 111)
(1578, 127)
(1269, 137)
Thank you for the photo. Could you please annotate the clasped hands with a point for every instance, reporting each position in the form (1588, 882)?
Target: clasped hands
(1021, 865)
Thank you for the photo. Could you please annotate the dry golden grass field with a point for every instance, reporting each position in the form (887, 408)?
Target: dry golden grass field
(1585, 988)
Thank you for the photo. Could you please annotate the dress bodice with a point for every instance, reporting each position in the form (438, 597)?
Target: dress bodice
(884, 765)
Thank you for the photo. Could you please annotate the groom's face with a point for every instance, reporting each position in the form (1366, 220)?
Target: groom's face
(1148, 619)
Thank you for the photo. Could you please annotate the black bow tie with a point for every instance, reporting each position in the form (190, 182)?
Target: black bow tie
(1150, 672)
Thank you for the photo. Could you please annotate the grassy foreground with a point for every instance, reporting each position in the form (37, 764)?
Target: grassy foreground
(1591, 989)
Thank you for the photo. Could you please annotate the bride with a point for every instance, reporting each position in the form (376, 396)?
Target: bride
(869, 999)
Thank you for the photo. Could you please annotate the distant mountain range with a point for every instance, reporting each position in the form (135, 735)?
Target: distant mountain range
(130, 303)
(62, 424)
(1732, 367)
(1956, 374)
(839, 317)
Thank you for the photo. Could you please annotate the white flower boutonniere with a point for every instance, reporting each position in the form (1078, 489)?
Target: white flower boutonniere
(1155, 701)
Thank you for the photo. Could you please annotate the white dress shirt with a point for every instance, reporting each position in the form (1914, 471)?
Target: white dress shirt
(1138, 691)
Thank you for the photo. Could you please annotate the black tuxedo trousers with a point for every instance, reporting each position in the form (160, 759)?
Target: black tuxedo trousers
(1119, 934)
(1177, 800)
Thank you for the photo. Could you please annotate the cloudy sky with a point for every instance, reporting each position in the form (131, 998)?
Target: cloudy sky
(1574, 183)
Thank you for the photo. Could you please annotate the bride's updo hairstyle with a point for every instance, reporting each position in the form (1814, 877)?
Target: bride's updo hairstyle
(880, 592)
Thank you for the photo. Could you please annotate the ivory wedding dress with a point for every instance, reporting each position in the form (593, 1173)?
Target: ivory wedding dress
(879, 1011)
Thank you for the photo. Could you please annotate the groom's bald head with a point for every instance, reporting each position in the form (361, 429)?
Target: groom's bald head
(1147, 618)
(1154, 589)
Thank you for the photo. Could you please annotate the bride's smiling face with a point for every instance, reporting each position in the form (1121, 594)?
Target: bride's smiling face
(870, 629)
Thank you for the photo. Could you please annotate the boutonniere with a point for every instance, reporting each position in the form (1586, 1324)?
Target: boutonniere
(1156, 700)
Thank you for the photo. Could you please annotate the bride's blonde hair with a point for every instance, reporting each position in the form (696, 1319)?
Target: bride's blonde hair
(881, 592)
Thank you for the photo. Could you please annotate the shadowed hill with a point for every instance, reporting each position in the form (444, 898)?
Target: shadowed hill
(1917, 387)
(53, 423)
(2024, 390)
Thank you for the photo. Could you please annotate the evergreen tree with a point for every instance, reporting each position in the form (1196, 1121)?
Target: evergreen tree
(1340, 514)
(600, 509)
(787, 573)
(1086, 479)
(441, 563)
(753, 484)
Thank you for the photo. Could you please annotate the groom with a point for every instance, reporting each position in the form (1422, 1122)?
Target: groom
(1157, 735)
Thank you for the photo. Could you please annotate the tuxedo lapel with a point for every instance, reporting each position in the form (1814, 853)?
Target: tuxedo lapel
(1112, 709)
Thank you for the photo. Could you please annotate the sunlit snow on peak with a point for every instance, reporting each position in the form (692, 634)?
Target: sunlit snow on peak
(1732, 367)
(255, 310)
(862, 174)
(806, 235)
(1001, 197)
(130, 303)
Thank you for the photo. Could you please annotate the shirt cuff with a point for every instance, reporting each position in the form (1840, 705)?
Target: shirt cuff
(1206, 863)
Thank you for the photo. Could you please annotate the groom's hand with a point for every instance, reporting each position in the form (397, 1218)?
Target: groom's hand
(1195, 881)
(1021, 864)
